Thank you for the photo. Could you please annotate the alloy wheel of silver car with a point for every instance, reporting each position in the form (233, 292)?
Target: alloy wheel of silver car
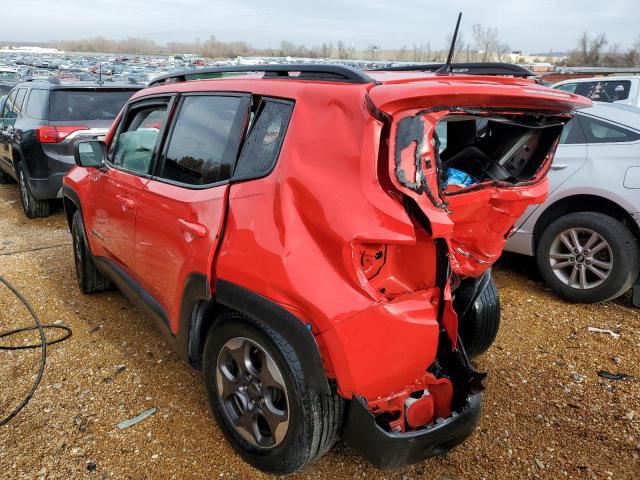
(581, 258)
(252, 392)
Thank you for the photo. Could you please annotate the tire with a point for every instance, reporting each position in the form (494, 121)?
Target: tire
(32, 207)
(90, 279)
(620, 253)
(479, 327)
(313, 420)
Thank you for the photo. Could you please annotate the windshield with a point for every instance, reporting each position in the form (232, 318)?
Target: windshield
(9, 77)
(86, 104)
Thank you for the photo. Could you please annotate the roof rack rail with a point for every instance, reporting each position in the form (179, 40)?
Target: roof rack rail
(477, 68)
(324, 72)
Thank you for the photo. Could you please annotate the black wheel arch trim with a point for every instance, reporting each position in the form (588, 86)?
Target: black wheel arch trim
(69, 196)
(291, 327)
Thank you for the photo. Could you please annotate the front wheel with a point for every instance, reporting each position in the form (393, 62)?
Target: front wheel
(588, 257)
(32, 207)
(257, 391)
(90, 279)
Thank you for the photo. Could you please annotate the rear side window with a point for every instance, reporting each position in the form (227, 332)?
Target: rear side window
(262, 146)
(605, 91)
(203, 144)
(572, 133)
(135, 145)
(82, 105)
(597, 131)
(35, 104)
(17, 108)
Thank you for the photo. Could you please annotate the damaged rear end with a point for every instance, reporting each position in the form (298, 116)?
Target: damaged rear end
(465, 156)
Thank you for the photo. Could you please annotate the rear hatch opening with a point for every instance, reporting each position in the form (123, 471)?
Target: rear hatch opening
(499, 149)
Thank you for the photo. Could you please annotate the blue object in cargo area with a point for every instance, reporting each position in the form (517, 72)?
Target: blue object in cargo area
(458, 177)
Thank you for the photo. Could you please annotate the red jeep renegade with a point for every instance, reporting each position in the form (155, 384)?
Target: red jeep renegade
(318, 240)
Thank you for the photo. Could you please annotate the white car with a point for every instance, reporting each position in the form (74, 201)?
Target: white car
(585, 235)
(625, 90)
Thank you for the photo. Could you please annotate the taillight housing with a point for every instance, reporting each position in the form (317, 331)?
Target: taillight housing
(56, 133)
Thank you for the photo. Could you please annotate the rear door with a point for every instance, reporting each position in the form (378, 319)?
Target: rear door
(182, 208)
(113, 202)
(570, 156)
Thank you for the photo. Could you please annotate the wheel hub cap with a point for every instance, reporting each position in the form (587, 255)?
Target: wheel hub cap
(252, 392)
(581, 258)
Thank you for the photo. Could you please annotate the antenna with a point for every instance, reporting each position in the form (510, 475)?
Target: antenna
(446, 68)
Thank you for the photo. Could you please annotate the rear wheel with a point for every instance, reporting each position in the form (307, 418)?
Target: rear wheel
(32, 207)
(257, 391)
(479, 327)
(588, 257)
(90, 279)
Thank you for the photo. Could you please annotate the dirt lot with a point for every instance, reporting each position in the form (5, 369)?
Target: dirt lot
(547, 412)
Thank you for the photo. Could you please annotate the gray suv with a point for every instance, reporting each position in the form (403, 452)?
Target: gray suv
(40, 121)
(585, 235)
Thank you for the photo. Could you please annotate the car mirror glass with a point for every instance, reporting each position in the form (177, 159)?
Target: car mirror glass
(90, 154)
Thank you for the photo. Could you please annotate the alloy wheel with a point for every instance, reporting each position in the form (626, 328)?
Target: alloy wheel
(581, 258)
(252, 392)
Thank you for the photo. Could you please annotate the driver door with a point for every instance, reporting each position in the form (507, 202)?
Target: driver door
(114, 205)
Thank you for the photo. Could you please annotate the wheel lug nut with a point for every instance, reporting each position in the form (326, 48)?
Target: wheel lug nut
(572, 259)
(588, 262)
(575, 250)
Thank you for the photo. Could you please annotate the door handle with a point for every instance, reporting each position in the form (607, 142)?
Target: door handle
(195, 229)
(127, 202)
(558, 166)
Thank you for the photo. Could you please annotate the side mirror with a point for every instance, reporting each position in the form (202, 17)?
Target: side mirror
(90, 153)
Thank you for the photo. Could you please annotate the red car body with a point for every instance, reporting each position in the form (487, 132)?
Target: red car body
(326, 235)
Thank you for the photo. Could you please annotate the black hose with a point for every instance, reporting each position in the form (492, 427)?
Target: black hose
(42, 345)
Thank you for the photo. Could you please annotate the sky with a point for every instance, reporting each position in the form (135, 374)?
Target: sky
(531, 25)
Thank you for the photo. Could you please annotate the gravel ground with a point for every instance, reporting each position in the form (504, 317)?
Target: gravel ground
(547, 412)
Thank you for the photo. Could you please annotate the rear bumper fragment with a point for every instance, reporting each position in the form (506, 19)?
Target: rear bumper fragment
(387, 450)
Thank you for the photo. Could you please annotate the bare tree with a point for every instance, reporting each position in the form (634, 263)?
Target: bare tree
(343, 52)
(486, 41)
(372, 51)
(402, 54)
(590, 48)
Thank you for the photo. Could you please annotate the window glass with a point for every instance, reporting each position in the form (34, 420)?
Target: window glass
(568, 87)
(605, 91)
(133, 149)
(597, 131)
(197, 153)
(263, 143)
(17, 108)
(572, 133)
(83, 105)
(35, 104)
(9, 77)
(8, 105)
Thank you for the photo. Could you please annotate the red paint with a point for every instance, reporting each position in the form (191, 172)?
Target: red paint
(306, 236)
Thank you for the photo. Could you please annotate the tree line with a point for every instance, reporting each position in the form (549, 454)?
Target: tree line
(485, 46)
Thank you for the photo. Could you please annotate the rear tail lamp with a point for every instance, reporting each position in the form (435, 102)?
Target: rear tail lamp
(56, 134)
